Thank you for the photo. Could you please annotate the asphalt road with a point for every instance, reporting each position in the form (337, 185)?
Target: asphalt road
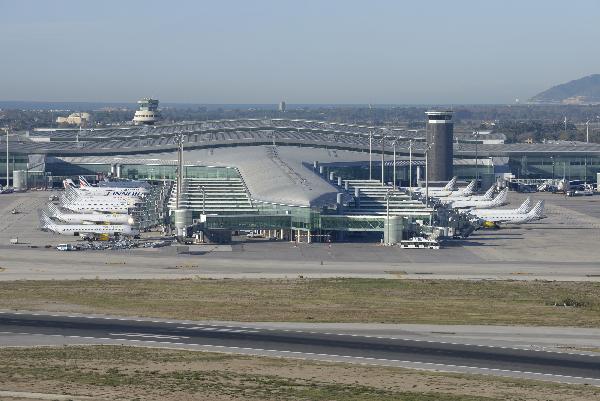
(378, 350)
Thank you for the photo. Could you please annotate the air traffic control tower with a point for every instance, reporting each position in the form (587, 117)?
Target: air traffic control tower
(440, 136)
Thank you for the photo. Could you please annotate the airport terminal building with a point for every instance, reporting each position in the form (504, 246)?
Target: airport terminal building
(313, 178)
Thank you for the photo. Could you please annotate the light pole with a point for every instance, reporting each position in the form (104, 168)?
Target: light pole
(410, 166)
(370, 155)
(394, 166)
(7, 166)
(586, 169)
(179, 171)
(388, 195)
(476, 160)
(387, 216)
(427, 175)
(203, 200)
(382, 160)
(587, 131)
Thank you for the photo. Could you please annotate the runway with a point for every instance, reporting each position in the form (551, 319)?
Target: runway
(26, 329)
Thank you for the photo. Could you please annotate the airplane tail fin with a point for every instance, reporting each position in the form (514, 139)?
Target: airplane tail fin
(54, 212)
(83, 182)
(469, 189)
(68, 183)
(67, 196)
(501, 198)
(450, 185)
(525, 206)
(489, 194)
(538, 210)
(46, 224)
(72, 193)
(466, 191)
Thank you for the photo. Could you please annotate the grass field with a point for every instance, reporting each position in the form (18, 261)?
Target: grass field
(129, 373)
(320, 300)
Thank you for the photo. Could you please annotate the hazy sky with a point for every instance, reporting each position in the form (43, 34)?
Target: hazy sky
(322, 51)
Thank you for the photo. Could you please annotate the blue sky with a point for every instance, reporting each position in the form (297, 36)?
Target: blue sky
(262, 51)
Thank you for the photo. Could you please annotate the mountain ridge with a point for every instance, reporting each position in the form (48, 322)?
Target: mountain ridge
(584, 90)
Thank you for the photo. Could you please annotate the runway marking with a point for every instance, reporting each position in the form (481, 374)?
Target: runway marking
(223, 329)
(148, 335)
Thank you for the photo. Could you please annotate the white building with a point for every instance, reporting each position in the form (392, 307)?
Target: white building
(74, 119)
(147, 114)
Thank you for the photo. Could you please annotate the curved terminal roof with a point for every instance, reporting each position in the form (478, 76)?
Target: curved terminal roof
(282, 132)
(282, 175)
(279, 174)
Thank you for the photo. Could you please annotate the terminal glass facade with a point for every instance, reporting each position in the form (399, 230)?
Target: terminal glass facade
(147, 172)
(169, 172)
(361, 172)
(15, 162)
(470, 172)
(557, 167)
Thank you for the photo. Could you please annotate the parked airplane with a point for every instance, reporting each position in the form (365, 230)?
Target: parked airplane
(512, 216)
(86, 189)
(77, 203)
(449, 187)
(437, 192)
(524, 208)
(93, 217)
(488, 195)
(499, 200)
(466, 191)
(88, 230)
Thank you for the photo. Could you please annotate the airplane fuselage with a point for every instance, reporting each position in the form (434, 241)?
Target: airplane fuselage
(86, 229)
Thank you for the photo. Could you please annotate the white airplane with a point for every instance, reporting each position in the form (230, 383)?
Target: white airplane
(499, 200)
(88, 230)
(437, 192)
(93, 217)
(510, 216)
(449, 187)
(124, 188)
(108, 192)
(77, 203)
(482, 213)
(466, 191)
(458, 193)
(86, 189)
(488, 195)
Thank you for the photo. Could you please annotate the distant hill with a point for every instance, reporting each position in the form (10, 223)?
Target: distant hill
(585, 90)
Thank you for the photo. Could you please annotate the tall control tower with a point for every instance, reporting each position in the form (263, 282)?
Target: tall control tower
(440, 135)
(147, 114)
